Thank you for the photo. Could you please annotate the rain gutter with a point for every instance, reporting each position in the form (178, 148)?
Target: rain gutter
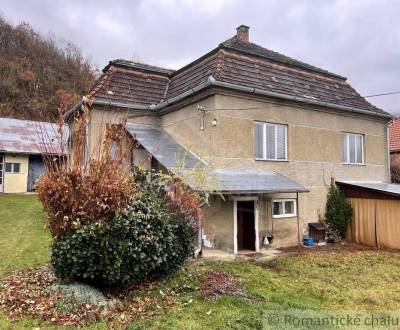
(211, 81)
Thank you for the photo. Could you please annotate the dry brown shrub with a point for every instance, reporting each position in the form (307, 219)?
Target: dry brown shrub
(81, 188)
(184, 201)
(73, 197)
(395, 168)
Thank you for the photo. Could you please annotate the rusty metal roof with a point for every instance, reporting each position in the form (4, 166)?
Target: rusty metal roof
(30, 137)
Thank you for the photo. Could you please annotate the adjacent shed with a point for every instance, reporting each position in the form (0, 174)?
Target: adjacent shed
(22, 146)
(376, 213)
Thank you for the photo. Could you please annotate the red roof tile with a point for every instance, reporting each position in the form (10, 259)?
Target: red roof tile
(233, 61)
(394, 135)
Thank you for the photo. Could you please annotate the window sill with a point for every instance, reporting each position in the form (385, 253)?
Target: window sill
(286, 216)
(272, 160)
(354, 164)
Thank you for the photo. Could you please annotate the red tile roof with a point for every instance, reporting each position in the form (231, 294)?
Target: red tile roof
(233, 61)
(394, 135)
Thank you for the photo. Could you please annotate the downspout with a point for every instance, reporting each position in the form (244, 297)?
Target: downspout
(198, 251)
(388, 155)
(298, 221)
(179, 97)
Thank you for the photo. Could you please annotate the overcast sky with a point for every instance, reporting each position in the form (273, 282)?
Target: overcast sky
(359, 39)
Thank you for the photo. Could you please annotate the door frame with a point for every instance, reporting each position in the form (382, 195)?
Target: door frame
(257, 240)
(3, 171)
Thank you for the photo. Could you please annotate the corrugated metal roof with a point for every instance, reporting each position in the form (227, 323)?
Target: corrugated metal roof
(256, 182)
(178, 159)
(164, 147)
(25, 136)
(383, 187)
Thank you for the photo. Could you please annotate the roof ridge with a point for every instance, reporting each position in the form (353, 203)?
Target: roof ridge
(234, 43)
(138, 65)
(219, 66)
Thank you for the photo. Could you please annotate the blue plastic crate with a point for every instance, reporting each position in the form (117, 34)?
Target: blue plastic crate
(308, 241)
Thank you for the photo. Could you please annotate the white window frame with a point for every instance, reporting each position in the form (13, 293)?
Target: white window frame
(284, 215)
(264, 141)
(12, 168)
(347, 151)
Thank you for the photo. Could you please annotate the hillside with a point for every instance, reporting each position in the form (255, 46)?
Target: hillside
(39, 76)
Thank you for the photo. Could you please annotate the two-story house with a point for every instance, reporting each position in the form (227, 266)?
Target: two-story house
(271, 131)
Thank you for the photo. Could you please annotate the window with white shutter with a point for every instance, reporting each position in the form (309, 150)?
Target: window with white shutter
(258, 140)
(353, 148)
(270, 141)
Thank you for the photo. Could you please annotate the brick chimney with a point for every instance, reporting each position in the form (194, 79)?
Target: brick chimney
(242, 33)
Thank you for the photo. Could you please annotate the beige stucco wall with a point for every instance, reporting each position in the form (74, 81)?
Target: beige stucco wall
(314, 153)
(185, 124)
(218, 223)
(16, 182)
(314, 150)
(99, 117)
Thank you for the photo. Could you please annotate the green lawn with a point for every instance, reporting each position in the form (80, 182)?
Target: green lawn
(24, 240)
(360, 281)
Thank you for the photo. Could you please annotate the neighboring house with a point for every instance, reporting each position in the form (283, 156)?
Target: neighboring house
(394, 148)
(270, 130)
(394, 136)
(22, 146)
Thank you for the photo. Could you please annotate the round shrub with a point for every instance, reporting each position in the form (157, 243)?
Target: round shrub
(144, 241)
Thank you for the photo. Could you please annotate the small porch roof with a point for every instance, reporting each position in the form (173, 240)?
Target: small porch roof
(178, 159)
(243, 181)
(376, 186)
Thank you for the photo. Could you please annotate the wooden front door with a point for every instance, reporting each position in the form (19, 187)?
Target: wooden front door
(246, 232)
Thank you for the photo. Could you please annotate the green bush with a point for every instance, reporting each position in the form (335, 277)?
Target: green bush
(338, 211)
(146, 240)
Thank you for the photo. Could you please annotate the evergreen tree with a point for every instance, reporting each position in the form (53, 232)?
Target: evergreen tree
(338, 211)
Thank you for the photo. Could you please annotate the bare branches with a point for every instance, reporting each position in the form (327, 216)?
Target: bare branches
(35, 69)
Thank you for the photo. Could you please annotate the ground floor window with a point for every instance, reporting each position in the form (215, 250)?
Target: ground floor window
(284, 208)
(13, 167)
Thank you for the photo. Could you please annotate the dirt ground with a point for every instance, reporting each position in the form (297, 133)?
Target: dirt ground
(343, 247)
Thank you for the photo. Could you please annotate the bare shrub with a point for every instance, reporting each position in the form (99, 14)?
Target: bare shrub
(73, 197)
(81, 188)
(395, 168)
